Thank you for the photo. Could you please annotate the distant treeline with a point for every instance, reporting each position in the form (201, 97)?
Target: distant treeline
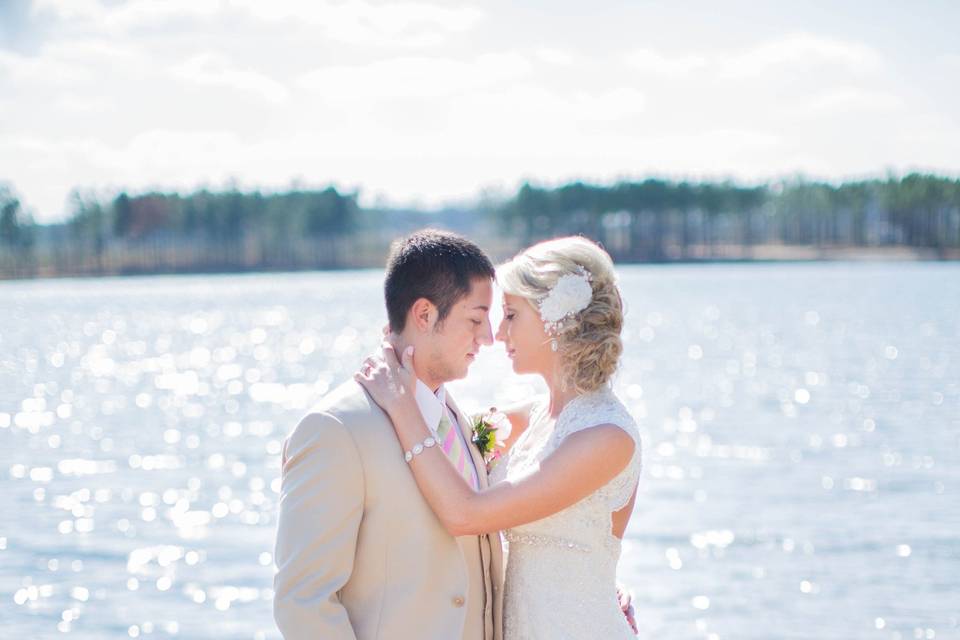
(650, 220)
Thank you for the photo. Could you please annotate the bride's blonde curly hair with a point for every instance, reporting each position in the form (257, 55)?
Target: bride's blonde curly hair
(589, 341)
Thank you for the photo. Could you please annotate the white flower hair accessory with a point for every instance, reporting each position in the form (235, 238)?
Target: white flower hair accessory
(570, 295)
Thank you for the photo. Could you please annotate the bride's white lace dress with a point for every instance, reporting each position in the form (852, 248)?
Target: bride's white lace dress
(561, 570)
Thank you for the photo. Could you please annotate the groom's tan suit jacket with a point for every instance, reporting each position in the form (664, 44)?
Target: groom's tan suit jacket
(359, 553)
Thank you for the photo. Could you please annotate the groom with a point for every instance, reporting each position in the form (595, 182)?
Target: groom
(359, 552)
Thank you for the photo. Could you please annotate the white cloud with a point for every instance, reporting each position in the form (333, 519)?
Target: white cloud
(793, 52)
(414, 77)
(357, 22)
(522, 111)
(149, 13)
(215, 69)
(69, 9)
(94, 51)
(43, 70)
(800, 52)
(361, 22)
(852, 100)
(708, 152)
(610, 105)
(75, 62)
(951, 60)
(81, 102)
(127, 15)
(168, 159)
(651, 61)
(554, 56)
(184, 157)
(19, 143)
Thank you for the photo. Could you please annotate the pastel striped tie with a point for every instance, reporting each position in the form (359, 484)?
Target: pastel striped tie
(453, 447)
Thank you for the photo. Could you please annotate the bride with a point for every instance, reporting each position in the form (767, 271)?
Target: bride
(562, 492)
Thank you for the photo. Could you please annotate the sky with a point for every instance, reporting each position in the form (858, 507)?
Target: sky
(429, 103)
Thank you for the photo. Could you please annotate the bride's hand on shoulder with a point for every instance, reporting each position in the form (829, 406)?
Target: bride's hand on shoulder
(389, 381)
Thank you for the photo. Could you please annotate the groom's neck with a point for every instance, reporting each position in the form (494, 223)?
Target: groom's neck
(401, 342)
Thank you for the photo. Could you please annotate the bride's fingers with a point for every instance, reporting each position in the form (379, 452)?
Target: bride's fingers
(373, 360)
(408, 358)
(390, 356)
(368, 380)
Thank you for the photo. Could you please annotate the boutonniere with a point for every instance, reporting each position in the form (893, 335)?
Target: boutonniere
(490, 431)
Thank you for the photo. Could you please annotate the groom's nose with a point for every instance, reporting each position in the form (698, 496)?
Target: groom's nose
(486, 334)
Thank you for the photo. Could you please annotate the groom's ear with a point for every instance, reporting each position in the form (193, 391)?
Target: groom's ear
(423, 314)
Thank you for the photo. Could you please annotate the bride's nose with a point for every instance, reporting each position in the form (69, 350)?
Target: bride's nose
(501, 332)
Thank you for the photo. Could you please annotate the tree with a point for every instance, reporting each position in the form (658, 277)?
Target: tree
(122, 215)
(10, 231)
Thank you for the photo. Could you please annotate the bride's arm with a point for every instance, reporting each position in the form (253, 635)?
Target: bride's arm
(597, 454)
(586, 461)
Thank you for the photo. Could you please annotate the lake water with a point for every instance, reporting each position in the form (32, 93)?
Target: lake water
(801, 427)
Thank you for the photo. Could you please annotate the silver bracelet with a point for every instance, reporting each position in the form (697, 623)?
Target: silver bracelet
(419, 447)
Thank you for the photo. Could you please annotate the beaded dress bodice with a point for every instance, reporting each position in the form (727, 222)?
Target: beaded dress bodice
(561, 570)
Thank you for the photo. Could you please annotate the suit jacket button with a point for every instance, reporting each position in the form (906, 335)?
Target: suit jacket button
(458, 601)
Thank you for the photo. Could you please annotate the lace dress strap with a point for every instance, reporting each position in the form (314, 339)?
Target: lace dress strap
(594, 409)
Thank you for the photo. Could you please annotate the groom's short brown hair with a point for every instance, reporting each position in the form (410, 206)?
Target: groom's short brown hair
(432, 264)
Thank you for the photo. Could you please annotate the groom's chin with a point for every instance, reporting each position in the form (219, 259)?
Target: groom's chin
(460, 373)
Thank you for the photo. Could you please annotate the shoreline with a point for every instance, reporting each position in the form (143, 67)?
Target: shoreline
(718, 254)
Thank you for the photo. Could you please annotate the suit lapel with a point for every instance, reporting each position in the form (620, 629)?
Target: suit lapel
(466, 428)
(491, 550)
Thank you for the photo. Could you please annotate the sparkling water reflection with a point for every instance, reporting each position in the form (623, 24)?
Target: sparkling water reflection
(801, 429)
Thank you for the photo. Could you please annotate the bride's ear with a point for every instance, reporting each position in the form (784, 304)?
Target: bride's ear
(423, 314)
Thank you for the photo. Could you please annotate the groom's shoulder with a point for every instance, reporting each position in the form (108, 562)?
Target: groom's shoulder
(349, 400)
(346, 405)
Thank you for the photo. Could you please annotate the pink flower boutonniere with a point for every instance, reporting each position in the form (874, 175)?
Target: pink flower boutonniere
(490, 431)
